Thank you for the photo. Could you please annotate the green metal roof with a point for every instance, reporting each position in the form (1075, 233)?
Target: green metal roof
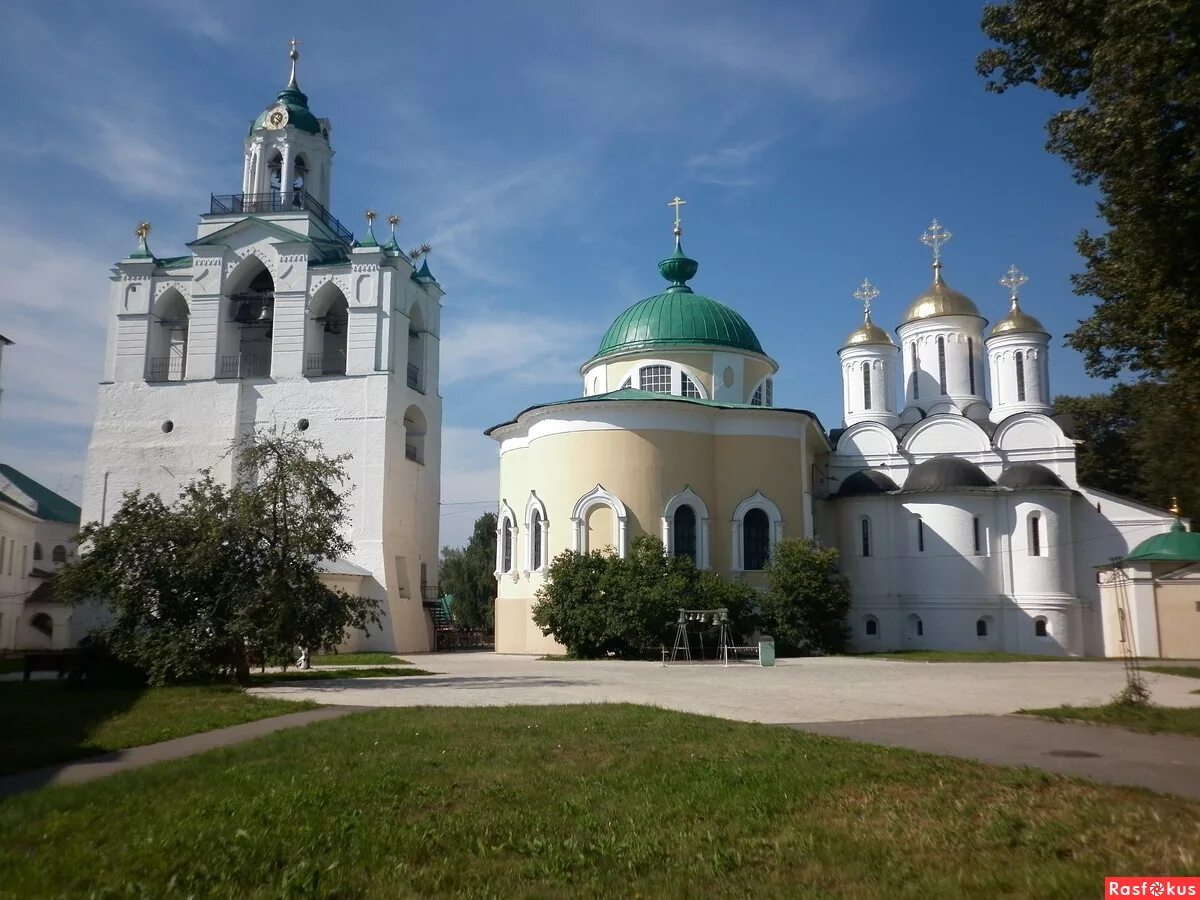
(49, 504)
(678, 317)
(636, 394)
(1176, 545)
(299, 115)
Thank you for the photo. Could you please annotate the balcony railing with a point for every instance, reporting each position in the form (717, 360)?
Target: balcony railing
(325, 363)
(165, 368)
(244, 365)
(279, 201)
(414, 378)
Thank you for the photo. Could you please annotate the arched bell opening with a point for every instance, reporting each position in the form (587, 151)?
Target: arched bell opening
(252, 317)
(325, 333)
(166, 347)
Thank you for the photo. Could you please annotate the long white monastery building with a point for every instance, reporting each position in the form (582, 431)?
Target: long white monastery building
(957, 510)
(278, 317)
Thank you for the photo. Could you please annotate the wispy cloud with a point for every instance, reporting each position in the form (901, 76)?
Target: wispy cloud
(732, 166)
(522, 347)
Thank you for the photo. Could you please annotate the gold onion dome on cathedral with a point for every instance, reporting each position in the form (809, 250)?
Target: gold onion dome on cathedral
(868, 332)
(939, 299)
(1017, 321)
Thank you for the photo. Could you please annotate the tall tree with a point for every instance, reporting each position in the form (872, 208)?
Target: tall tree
(1132, 68)
(469, 574)
(195, 587)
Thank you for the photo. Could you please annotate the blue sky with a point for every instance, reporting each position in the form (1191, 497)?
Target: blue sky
(535, 145)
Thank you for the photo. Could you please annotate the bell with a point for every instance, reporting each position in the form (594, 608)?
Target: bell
(243, 312)
(264, 314)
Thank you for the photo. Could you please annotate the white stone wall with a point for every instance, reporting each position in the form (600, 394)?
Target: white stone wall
(963, 339)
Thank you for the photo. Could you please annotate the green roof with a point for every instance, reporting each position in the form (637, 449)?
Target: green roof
(678, 317)
(299, 115)
(1176, 545)
(50, 505)
(625, 394)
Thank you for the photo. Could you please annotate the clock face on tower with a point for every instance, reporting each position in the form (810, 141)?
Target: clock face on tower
(277, 118)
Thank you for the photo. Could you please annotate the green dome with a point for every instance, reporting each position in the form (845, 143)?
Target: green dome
(300, 116)
(1177, 545)
(678, 317)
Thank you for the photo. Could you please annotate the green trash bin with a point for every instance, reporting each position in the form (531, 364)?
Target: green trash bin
(766, 650)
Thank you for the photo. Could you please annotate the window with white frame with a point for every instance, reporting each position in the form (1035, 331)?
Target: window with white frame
(756, 399)
(769, 392)
(688, 388)
(656, 379)
(506, 546)
(535, 540)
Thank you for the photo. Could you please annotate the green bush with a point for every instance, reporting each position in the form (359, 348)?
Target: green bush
(807, 598)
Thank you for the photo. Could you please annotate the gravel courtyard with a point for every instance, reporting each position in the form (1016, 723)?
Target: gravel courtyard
(837, 689)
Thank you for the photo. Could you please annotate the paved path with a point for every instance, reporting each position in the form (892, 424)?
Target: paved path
(1161, 762)
(134, 758)
(835, 689)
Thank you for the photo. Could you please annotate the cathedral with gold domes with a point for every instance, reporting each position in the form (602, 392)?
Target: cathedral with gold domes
(950, 488)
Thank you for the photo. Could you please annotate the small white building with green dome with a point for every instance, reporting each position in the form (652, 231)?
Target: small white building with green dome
(949, 487)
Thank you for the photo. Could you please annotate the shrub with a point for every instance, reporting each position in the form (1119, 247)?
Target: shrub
(807, 598)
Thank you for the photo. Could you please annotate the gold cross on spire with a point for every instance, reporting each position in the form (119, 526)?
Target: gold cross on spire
(933, 238)
(677, 202)
(866, 293)
(1013, 279)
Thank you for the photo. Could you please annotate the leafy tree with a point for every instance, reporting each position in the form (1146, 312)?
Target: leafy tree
(807, 597)
(1136, 442)
(197, 587)
(1132, 68)
(596, 603)
(469, 574)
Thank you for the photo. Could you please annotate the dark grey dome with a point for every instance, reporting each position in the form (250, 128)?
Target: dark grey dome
(944, 472)
(1027, 475)
(865, 482)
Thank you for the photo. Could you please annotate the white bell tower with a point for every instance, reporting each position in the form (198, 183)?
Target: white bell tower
(287, 150)
(870, 361)
(1019, 358)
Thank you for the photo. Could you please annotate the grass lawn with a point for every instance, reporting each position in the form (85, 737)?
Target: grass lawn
(1151, 719)
(47, 722)
(582, 801)
(258, 679)
(990, 656)
(358, 659)
(1182, 671)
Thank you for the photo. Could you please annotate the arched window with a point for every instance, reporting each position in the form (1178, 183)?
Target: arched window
(325, 338)
(627, 383)
(506, 545)
(37, 552)
(684, 532)
(769, 392)
(864, 531)
(656, 379)
(414, 435)
(43, 623)
(756, 540)
(300, 174)
(416, 349)
(535, 540)
(977, 532)
(1020, 357)
(166, 345)
(1039, 627)
(916, 628)
(920, 535)
(1035, 535)
(971, 362)
(981, 628)
(252, 310)
(871, 626)
(58, 554)
(615, 513)
(866, 373)
(942, 364)
(689, 388)
(916, 370)
(275, 172)
(756, 399)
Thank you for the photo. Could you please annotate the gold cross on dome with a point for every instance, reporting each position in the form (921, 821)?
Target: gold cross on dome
(1013, 279)
(933, 238)
(677, 202)
(865, 294)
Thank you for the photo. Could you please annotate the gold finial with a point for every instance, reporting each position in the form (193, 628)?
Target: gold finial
(293, 55)
(393, 220)
(677, 202)
(370, 215)
(142, 231)
(1175, 507)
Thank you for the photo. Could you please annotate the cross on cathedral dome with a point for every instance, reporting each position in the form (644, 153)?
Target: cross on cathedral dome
(1017, 321)
(290, 108)
(940, 299)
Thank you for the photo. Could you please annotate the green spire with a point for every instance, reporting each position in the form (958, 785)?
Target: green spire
(143, 249)
(369, 240)
(391, 246)
(423, 274)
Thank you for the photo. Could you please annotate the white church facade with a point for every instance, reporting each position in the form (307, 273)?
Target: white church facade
(957, 510)
(278, 317)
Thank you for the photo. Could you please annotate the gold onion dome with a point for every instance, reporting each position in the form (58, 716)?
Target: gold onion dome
(1018, 322)
(940, 300)
(868, 333)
